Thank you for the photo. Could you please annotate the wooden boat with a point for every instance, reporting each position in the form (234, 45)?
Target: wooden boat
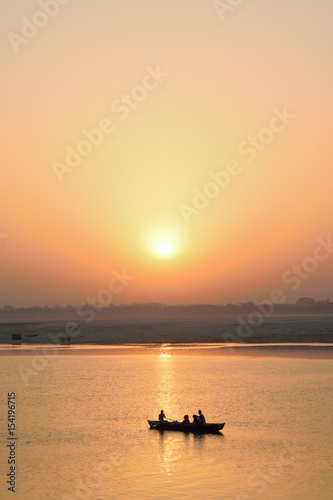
(178, 426)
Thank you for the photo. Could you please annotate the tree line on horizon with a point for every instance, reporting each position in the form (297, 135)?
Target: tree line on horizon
(304, 305)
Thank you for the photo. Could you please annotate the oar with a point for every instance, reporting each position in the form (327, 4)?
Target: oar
(172, 419)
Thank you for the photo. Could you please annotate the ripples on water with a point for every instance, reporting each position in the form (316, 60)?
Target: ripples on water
(82, 430)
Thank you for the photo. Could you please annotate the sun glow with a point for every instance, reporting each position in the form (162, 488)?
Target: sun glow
(164, 247)
(163, 238)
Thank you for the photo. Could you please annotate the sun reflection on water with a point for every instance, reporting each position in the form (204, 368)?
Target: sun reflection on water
(167, 400)
(165, 351)
(166, 381)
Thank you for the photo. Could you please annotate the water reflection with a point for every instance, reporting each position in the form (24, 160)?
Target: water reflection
(167, 383)
(165, 350)
(164, 436)
(173, 446)
(169, 454)
(202, 441)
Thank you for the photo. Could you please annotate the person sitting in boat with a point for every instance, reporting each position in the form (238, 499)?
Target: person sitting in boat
(196, 420)
(201, 417)
(161, 416)
(186, 420)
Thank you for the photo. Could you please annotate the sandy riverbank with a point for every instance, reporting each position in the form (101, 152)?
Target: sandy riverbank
(277, 330)
(155, 333)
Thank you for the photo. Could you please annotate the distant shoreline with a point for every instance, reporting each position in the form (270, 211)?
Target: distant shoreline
(227, 318)
(224, 331)
(296, 351)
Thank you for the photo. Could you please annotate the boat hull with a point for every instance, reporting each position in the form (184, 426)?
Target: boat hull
(179, 427)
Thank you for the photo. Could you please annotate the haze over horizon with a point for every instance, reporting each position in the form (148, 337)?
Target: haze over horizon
(166, 152)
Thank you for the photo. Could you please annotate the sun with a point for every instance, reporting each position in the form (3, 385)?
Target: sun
(163, 237)
(164, 247)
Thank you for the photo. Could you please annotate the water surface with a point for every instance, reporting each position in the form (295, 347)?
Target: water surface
(82, 430)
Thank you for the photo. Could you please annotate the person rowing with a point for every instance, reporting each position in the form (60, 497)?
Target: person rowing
(161, 416)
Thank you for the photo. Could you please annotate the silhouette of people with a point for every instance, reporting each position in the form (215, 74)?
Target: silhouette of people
(196, 420)
(161, 416)
(201, 417)
(186, 420)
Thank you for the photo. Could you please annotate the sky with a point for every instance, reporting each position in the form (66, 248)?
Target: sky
(168, 151)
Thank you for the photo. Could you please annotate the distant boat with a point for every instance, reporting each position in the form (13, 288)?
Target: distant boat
(178, 426)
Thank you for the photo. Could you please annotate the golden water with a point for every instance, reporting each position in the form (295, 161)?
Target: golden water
(82, 430)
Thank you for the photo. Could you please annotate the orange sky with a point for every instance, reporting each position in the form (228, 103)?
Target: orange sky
(188, 147)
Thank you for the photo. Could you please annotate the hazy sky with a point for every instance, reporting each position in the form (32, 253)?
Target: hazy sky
(188, 142)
